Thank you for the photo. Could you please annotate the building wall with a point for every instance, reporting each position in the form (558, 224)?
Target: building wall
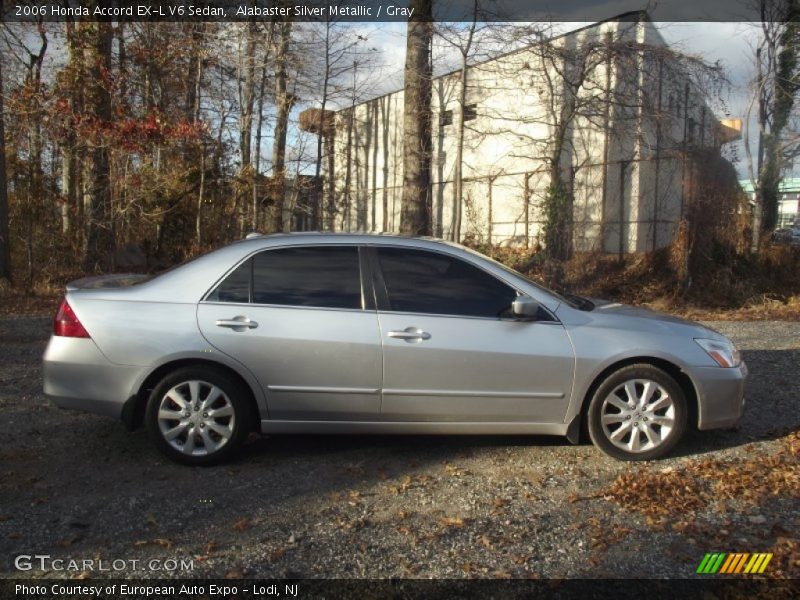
(626, 199)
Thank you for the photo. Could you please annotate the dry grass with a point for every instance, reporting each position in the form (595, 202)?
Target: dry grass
(717, 284)
(20, 304)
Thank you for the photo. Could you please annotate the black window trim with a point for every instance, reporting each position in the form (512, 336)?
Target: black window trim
(368, 300)
(382, 295)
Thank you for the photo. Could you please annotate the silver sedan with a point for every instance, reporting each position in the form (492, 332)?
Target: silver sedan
(343, 333)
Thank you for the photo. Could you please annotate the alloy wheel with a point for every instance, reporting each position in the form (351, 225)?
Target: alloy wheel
(196, 418)
(638, 415)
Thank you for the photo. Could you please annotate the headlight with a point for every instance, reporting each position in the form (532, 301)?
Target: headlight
(724, 354)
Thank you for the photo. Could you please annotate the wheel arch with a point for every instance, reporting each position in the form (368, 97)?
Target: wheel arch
(134, 409)
(681, 378)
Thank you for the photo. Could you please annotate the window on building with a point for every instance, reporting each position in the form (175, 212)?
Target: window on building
(470, 112)
(445, 118)
(432, 283)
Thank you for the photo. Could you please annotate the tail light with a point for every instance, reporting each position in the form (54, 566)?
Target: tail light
(66, 323)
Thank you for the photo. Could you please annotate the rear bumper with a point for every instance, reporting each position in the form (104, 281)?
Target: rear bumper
(78, 376)
(720, 395)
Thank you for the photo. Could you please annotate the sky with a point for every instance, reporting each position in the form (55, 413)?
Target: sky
(727, 42)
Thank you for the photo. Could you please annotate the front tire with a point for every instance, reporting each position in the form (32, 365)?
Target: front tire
(198, 416)
(637, 413)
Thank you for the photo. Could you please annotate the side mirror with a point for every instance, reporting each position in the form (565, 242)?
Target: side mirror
(525, 308)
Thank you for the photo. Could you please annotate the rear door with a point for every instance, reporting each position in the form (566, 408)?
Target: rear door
(301, 319)
(454, 353)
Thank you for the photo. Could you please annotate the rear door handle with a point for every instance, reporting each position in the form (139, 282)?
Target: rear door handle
(410, 334)
(237, 323)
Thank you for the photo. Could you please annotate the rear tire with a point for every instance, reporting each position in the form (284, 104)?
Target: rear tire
(198, 416)
(638, 413)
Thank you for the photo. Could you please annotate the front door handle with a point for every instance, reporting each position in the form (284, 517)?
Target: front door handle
(237, 323)
(410, 334)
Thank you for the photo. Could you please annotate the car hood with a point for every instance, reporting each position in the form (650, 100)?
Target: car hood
(638, 318)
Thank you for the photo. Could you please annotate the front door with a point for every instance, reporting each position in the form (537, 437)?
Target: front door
(452, 351)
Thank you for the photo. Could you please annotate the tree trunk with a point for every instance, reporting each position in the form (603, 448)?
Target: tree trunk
(348, 169)
(385, 188)
(458, 179)
(417, 142)
(283, 101)
(5, 249)
(316, 220)
(100, 237)
(69, 146)
(247, 96)
(257, 158)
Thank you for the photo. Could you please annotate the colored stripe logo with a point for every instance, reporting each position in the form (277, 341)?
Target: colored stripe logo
(733, 563)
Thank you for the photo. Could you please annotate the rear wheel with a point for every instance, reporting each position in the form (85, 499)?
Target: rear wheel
(637, 413)
(198, 416)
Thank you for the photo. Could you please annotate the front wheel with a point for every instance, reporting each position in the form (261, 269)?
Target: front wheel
(637, 413)
(198, 416)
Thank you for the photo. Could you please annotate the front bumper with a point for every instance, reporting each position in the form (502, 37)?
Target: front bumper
(78, 376)
(720, 396)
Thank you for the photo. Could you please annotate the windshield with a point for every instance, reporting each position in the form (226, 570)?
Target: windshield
(573, 300)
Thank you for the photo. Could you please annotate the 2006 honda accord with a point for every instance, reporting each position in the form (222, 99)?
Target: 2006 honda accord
(345, 333)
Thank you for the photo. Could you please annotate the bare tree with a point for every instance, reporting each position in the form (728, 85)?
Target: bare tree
(100, 234)
(5, 246)
(339, 49)
(284, 100)
(777, 82)
(417, 142)
(259, 128)
(70, 171)
(462, 39)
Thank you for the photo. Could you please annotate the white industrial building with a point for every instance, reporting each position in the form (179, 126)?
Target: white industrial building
(631, 121)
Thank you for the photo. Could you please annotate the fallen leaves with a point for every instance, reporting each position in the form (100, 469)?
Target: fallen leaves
(786, 558)
(457, 522)
(657, 494)
(235, 573)
(242, 525)
(698, 484)
(454, 471)
(277, 554)
(408, 482)
(499, 506)
(68, 541)
(165, 543)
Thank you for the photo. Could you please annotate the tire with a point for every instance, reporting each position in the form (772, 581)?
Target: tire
(649, 430)
(198, 416)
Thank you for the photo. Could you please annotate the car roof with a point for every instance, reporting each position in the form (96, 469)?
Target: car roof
(190, 281)
(340, 235)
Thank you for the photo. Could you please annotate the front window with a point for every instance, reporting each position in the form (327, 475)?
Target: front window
(433, 283)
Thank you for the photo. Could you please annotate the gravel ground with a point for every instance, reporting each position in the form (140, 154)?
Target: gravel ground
(78, 486)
